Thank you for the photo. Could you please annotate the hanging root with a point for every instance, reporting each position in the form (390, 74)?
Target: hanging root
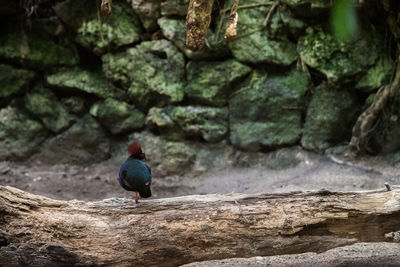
(197, 22)
(231, 31)
(366, 121)
(271, 10)
(106, 7)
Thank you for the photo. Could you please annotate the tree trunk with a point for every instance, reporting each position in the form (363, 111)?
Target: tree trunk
(38, 231)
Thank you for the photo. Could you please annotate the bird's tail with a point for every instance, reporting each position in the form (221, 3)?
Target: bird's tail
(145, 192)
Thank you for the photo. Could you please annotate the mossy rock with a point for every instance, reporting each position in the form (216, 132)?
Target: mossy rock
(258, 43)
(166, 157)
(378, 75)
(177, 122)
(13, 80)
(152, 73)
(175, 31)
(309, 8)
(74, 104)
(118, 117)
(83, 80)
(35, 48)
(20, 134)
(330, 117)
(101, 34)
(174, 7)
(149, 11)
(339, 61)
(84, 142)
(266, 111)
(211, 82)
(45, 105)
(385, 136)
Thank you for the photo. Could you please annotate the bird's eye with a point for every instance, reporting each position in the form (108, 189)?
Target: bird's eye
(147, 184)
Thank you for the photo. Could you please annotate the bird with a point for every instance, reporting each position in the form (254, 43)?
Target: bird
(134, 174)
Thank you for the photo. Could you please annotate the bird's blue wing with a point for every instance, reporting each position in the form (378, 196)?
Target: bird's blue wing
(148, 168)
(122, 178)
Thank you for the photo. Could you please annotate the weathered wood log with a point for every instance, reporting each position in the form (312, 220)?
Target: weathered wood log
(38, 231)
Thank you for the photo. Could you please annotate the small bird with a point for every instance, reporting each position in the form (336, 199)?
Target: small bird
(134, 173)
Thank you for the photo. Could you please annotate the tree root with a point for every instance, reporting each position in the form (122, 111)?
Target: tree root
(366, 122)
(197, 22)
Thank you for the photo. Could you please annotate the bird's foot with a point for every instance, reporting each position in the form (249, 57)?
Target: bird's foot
(137, 198)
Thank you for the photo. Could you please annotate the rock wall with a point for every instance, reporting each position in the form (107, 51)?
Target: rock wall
(77, 86)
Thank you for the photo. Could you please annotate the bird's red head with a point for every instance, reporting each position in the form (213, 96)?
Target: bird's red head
(135, 150)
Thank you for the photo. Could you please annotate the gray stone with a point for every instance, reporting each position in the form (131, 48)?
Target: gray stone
(45, 105)
(176, 122)
(77, 79)
(152, 73)
(330, 117)
(20, 134)
(266, 110)
(118, 117)
(12, 80)
(175, 31)
(74, 13)
(211, 82)
(74, 104)
(149, 11)
(84, 142)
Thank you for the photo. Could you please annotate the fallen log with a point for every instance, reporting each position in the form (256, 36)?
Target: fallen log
(38, 231)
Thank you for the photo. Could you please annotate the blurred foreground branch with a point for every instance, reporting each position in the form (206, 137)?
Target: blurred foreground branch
(39, 231)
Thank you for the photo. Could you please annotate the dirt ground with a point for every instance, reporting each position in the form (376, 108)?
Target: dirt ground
(98, 181)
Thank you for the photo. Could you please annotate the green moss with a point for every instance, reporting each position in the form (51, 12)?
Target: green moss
(13, 80)
(175, 31)
(152, 73)
(84, 142)
(35, 49)
(330, 116)
(257, 43)
(177, 122)
(339, 61)
(89, 81)
(266, 110)
(118, 117)
(100, 35)
(20, 135)
(212, 82)
(51, 112)
(174, 7)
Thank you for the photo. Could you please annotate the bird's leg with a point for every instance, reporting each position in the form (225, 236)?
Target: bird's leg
(137, 197)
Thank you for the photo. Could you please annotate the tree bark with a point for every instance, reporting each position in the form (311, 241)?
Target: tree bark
(38, 231)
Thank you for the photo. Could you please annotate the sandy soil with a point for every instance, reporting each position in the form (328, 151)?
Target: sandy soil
(98, 181)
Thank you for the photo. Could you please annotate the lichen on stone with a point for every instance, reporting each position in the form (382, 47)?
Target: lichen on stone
(152, 73)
